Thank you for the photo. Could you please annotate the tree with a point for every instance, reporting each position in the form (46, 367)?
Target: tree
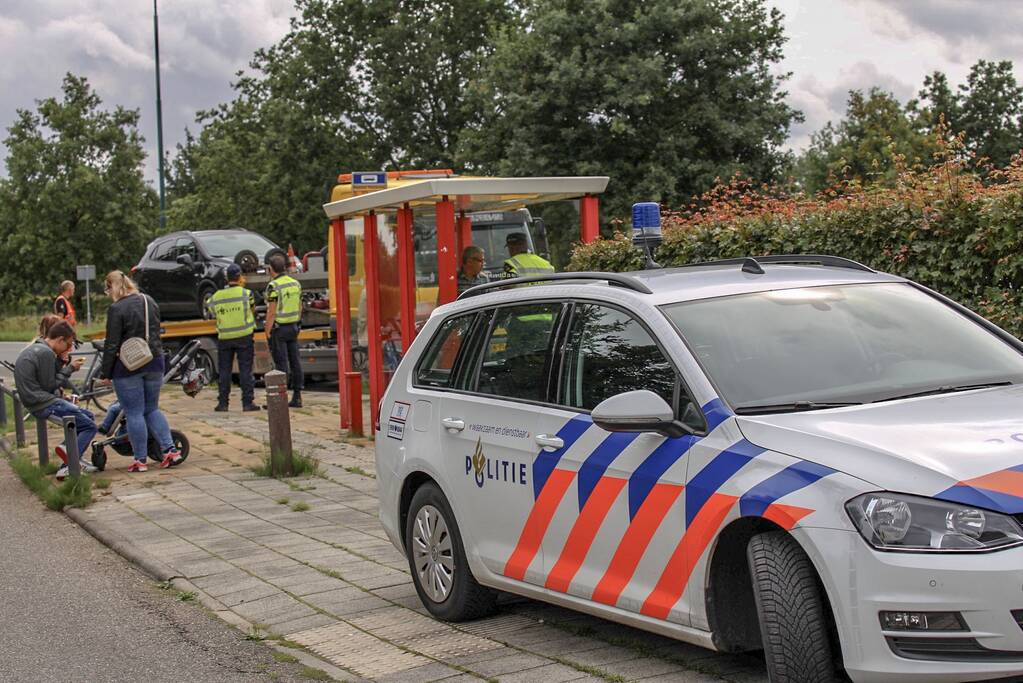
(354, 85)
(987, 109)
(74, 194)
(867, 146)
(664, 96)
(991, 112)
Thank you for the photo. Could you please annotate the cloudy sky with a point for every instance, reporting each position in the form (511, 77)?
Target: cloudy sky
(834, 45)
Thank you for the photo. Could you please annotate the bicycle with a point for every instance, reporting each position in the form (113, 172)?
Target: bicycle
(90, 389)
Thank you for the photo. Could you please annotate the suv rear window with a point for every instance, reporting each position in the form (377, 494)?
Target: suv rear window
(435, 369)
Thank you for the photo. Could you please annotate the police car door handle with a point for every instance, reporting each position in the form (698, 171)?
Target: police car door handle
(546, 441)
(453, 424)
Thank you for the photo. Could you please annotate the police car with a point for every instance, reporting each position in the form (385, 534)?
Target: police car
(793, 454)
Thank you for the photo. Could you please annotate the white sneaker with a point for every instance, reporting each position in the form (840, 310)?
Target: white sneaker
(87, 467)
(62, 473)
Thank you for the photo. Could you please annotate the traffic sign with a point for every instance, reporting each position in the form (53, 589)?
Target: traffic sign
(374, 179)
(85, 272)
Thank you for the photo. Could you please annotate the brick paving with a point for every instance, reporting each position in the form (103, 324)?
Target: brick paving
(327, 577)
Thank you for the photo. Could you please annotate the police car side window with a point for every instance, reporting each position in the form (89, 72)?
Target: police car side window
(436, 369)
(608, 353)
(516, 353)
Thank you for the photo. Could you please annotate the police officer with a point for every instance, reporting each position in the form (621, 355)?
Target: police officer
(62, 305)
(236, 321)
(283, 317)
(520, 263)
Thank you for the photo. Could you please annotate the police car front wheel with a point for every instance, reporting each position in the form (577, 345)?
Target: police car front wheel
(437, 560)
(790, 604)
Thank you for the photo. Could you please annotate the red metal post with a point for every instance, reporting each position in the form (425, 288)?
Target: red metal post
(447, 259)
(406, 277)
(342, 315)
(374, 347)
(352, 384)
(589, 219)
(464, 234)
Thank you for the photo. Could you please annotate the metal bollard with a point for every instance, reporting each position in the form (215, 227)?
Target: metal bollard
(74, 464)
(42, 439)
(3, 404)
(19, 422)
(353, 384)
(279, 422)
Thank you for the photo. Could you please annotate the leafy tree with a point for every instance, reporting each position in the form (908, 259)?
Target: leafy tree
(867, 146)
(662, 95)
(987, 109)
(354, 85)
(74, 194)
(991, 112)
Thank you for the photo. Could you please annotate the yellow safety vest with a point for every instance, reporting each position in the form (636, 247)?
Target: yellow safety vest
(289, 299)
(232, 307)
(525, 265)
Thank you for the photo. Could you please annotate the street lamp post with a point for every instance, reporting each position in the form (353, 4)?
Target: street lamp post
(159, 120)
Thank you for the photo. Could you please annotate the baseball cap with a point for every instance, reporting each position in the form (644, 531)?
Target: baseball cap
(234, 271)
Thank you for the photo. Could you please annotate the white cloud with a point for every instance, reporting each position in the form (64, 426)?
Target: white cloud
(203, 43)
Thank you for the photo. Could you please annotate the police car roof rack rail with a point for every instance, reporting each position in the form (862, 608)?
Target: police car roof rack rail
(612, 279)
(809, 259)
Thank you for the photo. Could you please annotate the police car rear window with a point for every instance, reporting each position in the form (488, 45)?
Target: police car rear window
(435, 370)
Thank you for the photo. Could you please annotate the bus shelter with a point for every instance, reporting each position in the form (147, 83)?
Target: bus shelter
(450, 201)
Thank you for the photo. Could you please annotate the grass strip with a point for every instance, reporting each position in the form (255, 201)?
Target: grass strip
(72, 492)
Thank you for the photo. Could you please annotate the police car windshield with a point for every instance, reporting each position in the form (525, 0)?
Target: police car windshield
(844, 344)
(227, 245)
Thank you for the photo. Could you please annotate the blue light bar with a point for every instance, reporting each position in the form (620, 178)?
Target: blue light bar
(646, 220)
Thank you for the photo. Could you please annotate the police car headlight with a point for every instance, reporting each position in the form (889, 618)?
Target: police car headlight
(897, 521)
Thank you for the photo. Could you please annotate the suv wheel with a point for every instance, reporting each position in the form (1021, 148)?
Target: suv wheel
(206, 290)
(793, 625)
(437, 560)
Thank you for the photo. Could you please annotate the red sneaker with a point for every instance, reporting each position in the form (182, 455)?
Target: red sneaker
(61, 452)
(137, 466)
(171, 457)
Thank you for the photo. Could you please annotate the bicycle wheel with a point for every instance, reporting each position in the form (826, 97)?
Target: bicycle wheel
(99, 396)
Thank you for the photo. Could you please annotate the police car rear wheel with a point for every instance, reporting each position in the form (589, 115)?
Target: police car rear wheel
(437, 560)
(790, 604)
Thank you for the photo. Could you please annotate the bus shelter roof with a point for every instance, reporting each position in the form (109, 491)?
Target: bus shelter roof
(470, 194)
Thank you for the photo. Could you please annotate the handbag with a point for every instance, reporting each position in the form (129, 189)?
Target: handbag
(135, 351)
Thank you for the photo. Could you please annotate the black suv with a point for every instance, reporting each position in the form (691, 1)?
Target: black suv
(182, 269)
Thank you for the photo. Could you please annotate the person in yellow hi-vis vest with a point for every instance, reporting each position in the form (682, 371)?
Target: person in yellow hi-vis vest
(283, 322)
(520, 263)
(233, 307)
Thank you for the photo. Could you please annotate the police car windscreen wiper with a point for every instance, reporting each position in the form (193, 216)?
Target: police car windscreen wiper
(946, 389)
(793, 407)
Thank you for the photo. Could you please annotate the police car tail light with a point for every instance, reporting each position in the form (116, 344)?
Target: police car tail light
(897, 521)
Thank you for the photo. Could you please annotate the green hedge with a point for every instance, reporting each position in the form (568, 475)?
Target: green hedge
(941, 227)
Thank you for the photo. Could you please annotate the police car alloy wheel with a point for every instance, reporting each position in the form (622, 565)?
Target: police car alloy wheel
(793, 625)
(437, 560)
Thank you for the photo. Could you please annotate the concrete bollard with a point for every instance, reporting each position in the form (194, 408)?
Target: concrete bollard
(282, 463)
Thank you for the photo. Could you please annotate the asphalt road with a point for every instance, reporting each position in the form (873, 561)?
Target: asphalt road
(72, 610)
(9, 351)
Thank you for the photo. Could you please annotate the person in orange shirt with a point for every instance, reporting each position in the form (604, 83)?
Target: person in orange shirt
(62, 305)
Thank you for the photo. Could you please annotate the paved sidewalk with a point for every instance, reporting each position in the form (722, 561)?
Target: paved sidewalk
(308, 561)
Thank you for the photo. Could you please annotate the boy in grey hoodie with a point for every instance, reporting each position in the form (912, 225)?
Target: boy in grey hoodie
(38, 375)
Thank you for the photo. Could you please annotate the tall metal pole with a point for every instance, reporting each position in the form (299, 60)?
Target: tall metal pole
(159, 119)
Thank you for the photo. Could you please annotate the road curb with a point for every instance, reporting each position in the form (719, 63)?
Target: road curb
(122, 546)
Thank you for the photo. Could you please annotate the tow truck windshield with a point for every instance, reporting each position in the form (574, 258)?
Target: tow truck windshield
(817, 347)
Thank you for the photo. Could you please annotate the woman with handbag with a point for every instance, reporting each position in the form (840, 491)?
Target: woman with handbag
(133, 359)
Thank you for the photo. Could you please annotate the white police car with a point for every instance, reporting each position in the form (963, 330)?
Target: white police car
(795, 454)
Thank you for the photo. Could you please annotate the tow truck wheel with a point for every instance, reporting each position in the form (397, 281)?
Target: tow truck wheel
(790, 604)
(437, 560)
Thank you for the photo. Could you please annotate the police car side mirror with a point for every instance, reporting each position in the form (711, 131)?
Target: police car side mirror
(638, 411)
